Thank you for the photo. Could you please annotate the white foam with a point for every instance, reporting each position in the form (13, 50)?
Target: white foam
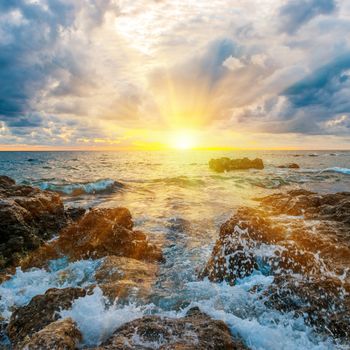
(97, 321)
(23, 286)
(87, 187)
(345, 171)
(246, 315)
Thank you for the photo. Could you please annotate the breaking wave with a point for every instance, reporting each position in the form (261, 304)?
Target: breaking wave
(345, 171)
(77, 189)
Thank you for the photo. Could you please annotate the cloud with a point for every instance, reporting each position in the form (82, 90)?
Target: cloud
(95, 69)
(296, 13)
(36, 59)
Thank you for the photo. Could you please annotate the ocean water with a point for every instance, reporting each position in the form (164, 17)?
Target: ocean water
(181, 203)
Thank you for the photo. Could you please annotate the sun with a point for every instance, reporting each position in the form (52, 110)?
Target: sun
(183, 140)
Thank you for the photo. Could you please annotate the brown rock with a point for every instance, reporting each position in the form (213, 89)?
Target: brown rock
(289, 166)
(28, 216)
(40, 312)
(226, 164)
(99, 233)
(62, 334)
(195, 331)
(126, 278)
(308, 235)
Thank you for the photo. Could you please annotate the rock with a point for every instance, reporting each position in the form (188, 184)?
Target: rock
(98, 233)
(126, 278)
(302, 239)
(6, 181)
(226, 164)
(28, 216)
(75, 213)
(195, 331)
(62, 334)
(334, 206)
(232, 257)
(40, 312)
(289, 166)
(315, 298)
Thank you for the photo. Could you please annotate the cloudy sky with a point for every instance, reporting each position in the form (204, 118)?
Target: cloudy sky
(109, 74)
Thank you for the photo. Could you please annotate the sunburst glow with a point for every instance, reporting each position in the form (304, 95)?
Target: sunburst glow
(183, 140)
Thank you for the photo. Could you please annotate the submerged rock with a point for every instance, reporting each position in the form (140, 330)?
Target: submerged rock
(195, 331)
(40, 312)
(289, 166)
(226, 164)
(28, 216)
(126, 278)
(302, 239)
(98, 233)
(61, 334)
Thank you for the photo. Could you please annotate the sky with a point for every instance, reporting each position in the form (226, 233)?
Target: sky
(158, 74)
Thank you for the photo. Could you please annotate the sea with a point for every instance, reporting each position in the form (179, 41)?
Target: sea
(175, 198)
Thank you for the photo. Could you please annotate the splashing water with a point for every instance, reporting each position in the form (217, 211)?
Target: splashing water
(23, 286)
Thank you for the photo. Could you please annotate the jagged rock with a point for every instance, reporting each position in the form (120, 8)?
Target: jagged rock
(126, 278)
(302, 239)
(333, 206)
(40, 312)
(28, 216)
(99, 233)
(61, 334)
(226, 164)
(195, 331)
(289, 166)
(321, 299)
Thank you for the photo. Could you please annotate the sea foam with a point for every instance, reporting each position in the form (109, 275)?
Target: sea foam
(97, 320)
(345, 171)
(99, 186)
(24, 285)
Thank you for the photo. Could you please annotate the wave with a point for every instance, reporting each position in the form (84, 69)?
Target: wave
(182, 181)
(77, 189)
(345, 171)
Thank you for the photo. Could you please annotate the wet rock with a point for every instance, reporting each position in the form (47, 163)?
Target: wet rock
(40, 312)
(289, 166)
(99, 233)
(62, 334)
(75, 213)
(226, 164)
(302, 239)
(195, 331)
(233, 255)
(334, 206)
(321, 300)
(28, 216)
(126, 278)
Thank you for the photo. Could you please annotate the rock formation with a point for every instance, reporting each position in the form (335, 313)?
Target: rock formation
(40, 312)
(307, 239)
(98, 233)
(28, 216)
(195, 331)
(289, 166)
(226, 164)
(62, 334)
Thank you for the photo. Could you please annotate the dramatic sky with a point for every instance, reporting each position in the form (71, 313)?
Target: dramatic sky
(111, 74)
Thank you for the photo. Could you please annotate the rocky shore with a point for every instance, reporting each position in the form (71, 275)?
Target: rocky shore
(301, 239)
(36, 228)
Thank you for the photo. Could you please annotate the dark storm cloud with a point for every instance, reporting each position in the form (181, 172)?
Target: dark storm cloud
(296, 13)
(327, 89)
(33, 54)
(317, 104)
